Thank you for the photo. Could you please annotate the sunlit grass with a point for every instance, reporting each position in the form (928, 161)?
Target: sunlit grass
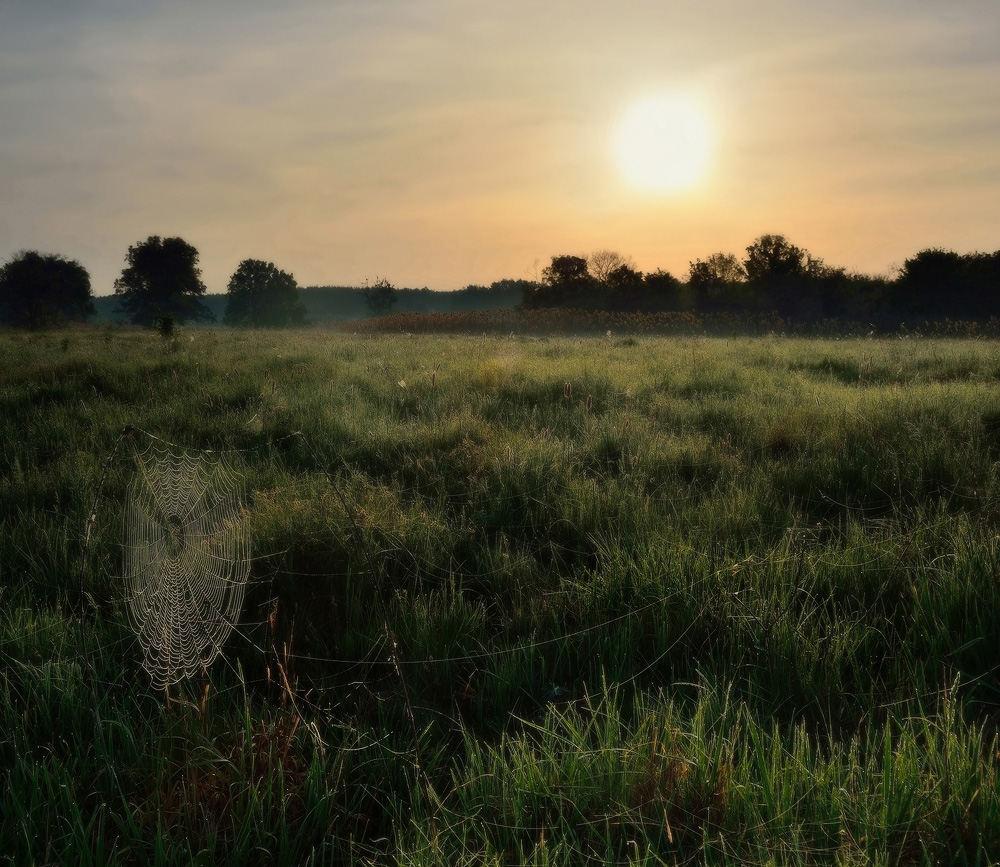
(687, 599)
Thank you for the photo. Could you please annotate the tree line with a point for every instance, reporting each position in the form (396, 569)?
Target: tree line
(776, 276)
(161, 284)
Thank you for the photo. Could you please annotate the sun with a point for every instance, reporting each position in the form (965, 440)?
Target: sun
(663, 143)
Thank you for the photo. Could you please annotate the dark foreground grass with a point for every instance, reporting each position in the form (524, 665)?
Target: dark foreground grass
(656, 600)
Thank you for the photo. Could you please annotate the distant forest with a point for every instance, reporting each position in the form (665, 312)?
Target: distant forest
(339, 303)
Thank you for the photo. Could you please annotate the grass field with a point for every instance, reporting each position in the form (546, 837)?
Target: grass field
(656, 600)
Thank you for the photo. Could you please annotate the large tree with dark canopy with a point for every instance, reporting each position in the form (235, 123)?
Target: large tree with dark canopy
(774, 259)
(663, 291)
(625, 288)
(719, 283)
(161, 278)
(788, 279)
(567, 282)
(42, 289)
(261, 295)
(937, 283)
(380, 296)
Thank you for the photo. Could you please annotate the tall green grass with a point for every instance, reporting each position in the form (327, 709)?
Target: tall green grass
(657, 600)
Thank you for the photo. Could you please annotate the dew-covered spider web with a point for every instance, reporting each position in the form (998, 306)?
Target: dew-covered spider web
(187, 560)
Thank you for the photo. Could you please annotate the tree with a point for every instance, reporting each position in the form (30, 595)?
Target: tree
(717, 283)
(937, 283)
(773, 258)
(566, 271)
(719, 268)
(779, 274)
(601, 264)
(626, 289)
(983, 280)
(565, 283)
(161, 277)
(665, 292)
(380, 296)
(261, 295)
(42, 289)
(930, 282)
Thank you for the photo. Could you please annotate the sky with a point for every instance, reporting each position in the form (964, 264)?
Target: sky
(443, 143)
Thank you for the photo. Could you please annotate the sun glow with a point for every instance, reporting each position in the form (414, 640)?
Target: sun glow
(663, 143)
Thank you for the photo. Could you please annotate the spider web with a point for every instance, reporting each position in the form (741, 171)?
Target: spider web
(187, 561)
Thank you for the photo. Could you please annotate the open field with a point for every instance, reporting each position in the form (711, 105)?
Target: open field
(657, 600)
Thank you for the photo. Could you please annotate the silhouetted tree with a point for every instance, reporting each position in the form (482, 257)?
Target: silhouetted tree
(565, 283)
(983, 276)
(566, 271)
(161, 277)
(261, 295)
(380, 297)
(42, 289)
(719, 283)
(602, 263)
(717, 268)
(626, 288)
(773, 258)
(938, 283)
(783, 275)
(663, 291)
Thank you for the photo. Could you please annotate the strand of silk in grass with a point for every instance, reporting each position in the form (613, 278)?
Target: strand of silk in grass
(398, 662)
(84, 555)
(431, 798)
(169, 444)
(478, 657)
(355, 663)
(438, 805)
(475, 657)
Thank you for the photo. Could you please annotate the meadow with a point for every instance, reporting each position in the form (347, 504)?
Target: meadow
(654, 600)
